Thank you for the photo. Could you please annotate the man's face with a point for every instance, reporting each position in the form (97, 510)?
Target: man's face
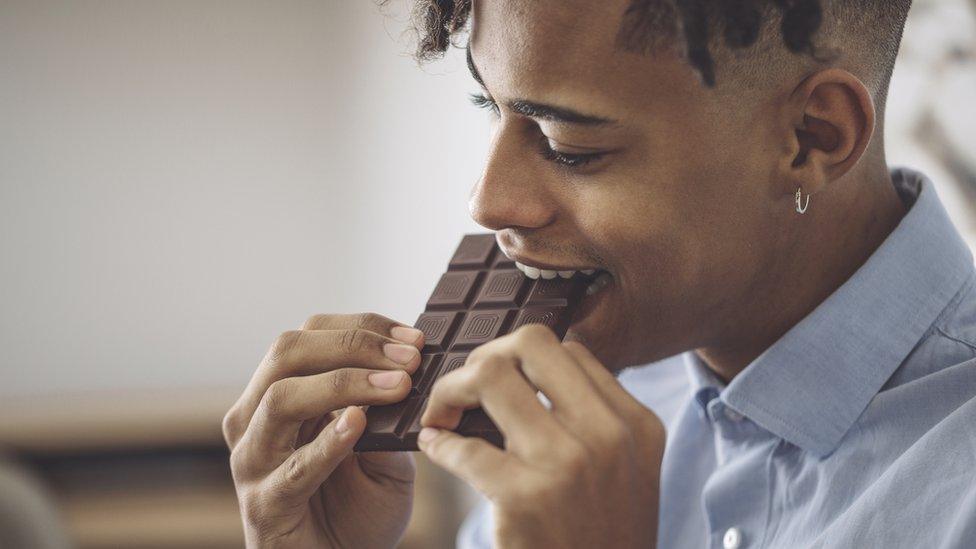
(674, 203)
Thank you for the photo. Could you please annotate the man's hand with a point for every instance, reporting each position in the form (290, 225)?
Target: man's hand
(297, 480)
(583, 473)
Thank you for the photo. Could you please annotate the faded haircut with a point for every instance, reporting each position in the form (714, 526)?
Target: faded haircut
(755, 39)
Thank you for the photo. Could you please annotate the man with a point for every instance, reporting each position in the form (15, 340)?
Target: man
(723, 167)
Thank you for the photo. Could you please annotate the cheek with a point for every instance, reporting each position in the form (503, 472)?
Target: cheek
(648, 224)
(686, 223)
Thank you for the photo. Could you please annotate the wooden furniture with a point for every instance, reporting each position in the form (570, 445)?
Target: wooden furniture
(151, 470)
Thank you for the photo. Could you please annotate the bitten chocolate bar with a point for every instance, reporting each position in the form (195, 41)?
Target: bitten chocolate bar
(481, 296)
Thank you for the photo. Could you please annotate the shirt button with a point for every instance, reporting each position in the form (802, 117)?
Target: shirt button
(733, 415)
(732, 539)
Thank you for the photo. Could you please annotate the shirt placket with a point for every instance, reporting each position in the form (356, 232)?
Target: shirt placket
(736, 496)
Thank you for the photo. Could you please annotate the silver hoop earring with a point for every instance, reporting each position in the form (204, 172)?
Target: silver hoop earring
(799, 196)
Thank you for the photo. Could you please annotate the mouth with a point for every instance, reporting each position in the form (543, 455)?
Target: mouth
(598, 278)
(596, 309)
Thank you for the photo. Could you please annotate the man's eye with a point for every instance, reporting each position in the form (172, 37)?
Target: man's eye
(567, 159)
(484, 102)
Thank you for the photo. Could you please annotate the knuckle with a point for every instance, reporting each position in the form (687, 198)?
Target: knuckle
(491, 366)
(353, 341)
(229, 427)
(284, 345)
(315, 321)
(650, 426)
(477, 354)
(535, 333)
(295, 469)
(238, 463)
(485, 350)
(616, 434)
(339, 381)
(368, 320)
(276, 398)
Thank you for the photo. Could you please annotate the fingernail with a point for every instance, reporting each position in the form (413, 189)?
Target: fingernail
(342, 424)
(385, 380)
(427, 434)
(399, 353)
(406, 335)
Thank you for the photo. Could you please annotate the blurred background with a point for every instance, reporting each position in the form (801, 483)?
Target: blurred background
(181, 181)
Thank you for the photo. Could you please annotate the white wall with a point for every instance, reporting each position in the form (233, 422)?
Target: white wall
(181, 181)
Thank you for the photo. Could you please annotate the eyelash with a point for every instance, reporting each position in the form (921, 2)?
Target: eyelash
(482, 101)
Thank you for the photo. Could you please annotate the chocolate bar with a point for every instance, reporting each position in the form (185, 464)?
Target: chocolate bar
(482, 296)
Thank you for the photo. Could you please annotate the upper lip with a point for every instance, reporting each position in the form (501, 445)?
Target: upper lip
(541, 265)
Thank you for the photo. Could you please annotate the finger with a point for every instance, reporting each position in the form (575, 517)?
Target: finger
(289, 402)
(576, 401)
(493, 382)
(300, 353)
(371, 322)
(295, 480)
(479, 463)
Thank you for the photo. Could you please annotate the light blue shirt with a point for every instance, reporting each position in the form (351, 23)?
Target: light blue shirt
(857, 428)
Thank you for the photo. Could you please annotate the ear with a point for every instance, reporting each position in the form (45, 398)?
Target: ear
(830, 123)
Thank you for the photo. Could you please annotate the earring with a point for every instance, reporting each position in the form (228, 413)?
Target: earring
(799, 195)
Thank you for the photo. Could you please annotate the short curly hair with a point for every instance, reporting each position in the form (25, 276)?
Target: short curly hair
(873, 27)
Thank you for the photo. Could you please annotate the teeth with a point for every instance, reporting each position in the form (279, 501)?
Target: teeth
(535, 272)
(531, 272)
(600, 283)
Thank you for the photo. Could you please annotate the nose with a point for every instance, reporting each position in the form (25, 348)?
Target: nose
(511, 192)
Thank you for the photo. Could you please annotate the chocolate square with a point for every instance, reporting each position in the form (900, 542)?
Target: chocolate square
(555, 291)
(454, 290)
(481, 327)
(475, 252)
(438, 329)
(503, 289)
(452, 362)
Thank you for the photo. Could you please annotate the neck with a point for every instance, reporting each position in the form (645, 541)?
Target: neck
(837, 236)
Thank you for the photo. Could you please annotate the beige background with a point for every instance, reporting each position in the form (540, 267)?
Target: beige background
(180, 181)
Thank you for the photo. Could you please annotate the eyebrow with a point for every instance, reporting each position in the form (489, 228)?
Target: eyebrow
(543, 111)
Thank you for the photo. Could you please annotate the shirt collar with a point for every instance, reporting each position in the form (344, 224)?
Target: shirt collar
(810, 386)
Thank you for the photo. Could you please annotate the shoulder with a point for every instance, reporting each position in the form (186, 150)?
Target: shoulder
(925, 495)
(949, 342)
